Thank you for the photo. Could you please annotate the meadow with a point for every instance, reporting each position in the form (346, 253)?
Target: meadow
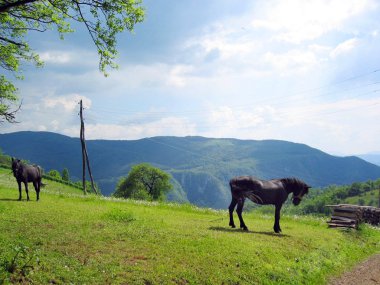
(67, 237)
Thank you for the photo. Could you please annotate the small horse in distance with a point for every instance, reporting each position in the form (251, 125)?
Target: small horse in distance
(264, 192)
(27, 173)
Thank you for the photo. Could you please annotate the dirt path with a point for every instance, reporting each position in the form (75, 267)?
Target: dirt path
(365, 273)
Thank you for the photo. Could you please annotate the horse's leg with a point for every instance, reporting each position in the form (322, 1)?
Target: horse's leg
(19, 190)
(26, 190)
(231, 209)
(239, 211)
(37, 188)
(276, 226)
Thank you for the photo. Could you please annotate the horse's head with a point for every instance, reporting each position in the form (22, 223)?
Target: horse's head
(299, 192)
(16, 166)
(297, 187)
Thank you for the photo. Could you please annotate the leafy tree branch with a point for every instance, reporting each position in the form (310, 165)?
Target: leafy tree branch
(103, 19)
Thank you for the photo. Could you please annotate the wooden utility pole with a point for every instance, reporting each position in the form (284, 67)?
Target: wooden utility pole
(83, 146)
(85, 154)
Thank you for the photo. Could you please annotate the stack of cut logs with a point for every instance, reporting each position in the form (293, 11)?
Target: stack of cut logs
(349, 216)
(371, 215)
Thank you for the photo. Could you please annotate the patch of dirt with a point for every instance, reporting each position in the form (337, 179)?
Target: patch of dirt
(365, 273)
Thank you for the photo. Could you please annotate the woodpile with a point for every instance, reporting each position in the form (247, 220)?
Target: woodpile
(371, 215)
(350, 216)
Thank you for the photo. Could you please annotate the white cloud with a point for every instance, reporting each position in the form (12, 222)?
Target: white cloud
(292, 62)
(173, 126)
(245, 45)
(153, 76)
(296, 21)
(230, 118)
(56, 57)
(240, 122)
(76, 58)
(177, 75)
(69, 102)
(343, 126)
(344, 47)
(229, 42)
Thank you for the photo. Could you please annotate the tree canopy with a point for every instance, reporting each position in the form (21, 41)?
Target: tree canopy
(144, 182)
(104, 19)
(65, 175)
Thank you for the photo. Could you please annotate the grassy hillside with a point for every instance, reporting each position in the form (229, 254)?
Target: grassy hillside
(67, 238)
(201, 167)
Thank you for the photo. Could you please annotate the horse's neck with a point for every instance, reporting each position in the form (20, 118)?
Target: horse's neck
(22, 168)
(288, 185)
(288, 189)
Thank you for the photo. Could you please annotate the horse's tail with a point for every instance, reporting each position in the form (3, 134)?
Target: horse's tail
(243, 191)
(254, 198)
(39, 171)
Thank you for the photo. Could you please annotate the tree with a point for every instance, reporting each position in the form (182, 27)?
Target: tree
(65, 175)
(144, 182)
(103, 19)
(55, 174)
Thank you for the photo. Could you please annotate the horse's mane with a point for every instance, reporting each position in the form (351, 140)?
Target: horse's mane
(293, 183)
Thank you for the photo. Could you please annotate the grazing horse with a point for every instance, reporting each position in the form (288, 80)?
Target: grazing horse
(27, 173)
(263, 192)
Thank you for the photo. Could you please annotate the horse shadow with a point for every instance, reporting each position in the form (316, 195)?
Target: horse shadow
(9, 200)
(230, 230)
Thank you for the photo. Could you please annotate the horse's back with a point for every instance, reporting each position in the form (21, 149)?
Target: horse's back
(32, 172)
(245, 182)
(250, 182)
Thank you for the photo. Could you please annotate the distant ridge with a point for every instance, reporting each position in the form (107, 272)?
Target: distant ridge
(201, 167)
(371, 157)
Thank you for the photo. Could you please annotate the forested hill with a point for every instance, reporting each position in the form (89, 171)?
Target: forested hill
(201, 167)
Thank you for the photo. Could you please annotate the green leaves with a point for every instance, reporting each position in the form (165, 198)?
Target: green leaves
(7, 96)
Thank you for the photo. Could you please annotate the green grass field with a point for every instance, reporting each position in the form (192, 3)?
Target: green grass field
(68, 238)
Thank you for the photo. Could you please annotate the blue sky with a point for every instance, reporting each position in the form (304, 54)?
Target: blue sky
(302, 71)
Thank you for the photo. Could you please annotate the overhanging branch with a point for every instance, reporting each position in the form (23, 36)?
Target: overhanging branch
(12, 42)
(10, 117)
(8, 5)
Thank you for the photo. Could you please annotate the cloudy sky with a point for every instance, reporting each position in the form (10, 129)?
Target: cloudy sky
(296, 70)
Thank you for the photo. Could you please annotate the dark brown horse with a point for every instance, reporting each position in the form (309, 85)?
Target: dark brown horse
(27, 173)
(263, 192)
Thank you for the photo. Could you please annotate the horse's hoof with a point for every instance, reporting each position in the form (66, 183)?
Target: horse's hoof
(232, 226)
(244, 228)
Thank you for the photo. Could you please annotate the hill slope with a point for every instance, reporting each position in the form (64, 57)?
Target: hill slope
(67, 238)
(201, 167)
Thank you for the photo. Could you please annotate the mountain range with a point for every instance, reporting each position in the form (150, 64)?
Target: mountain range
(200, 167)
